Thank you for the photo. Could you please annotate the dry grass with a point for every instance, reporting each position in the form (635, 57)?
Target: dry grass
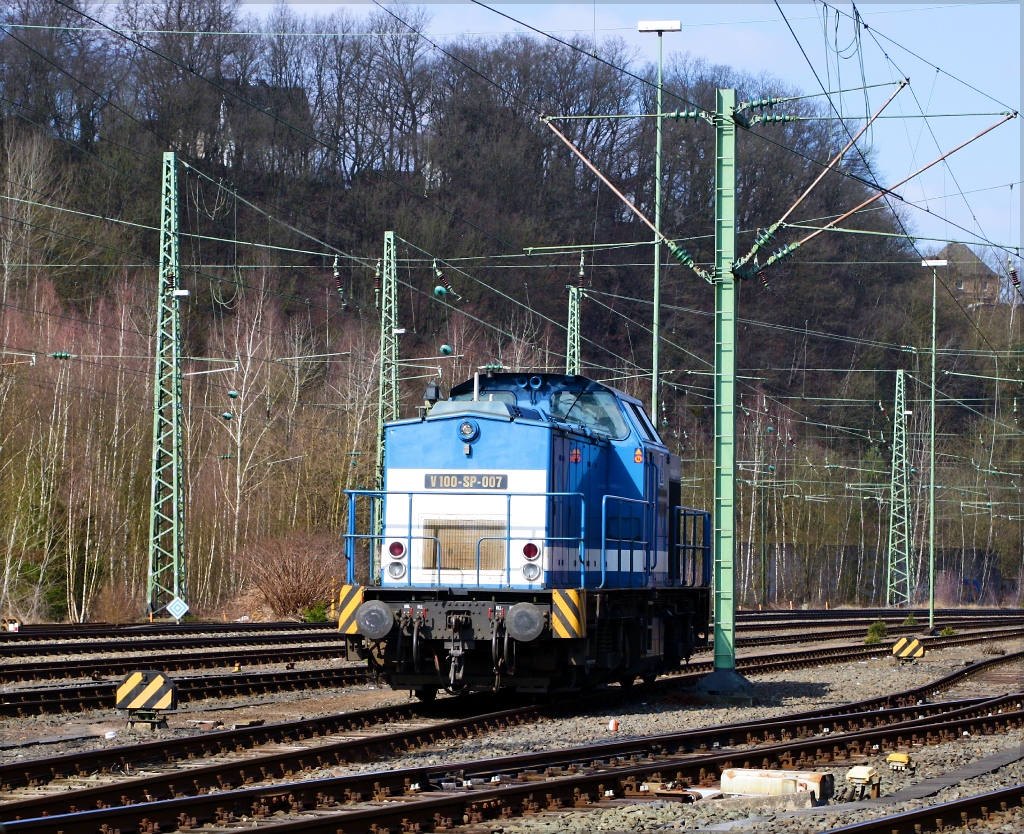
(294, 573)
(116, 604)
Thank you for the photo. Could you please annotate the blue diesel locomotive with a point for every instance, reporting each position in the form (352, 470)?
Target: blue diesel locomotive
(529, 536)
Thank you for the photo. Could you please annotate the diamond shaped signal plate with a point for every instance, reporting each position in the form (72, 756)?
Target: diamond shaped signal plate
(177, 608)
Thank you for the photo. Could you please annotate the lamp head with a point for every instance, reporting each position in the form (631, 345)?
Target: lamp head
(659, 26)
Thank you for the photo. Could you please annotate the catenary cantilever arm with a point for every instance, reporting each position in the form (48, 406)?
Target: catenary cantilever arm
(680, 254)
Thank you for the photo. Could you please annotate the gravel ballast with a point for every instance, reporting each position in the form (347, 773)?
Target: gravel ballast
(776, 694)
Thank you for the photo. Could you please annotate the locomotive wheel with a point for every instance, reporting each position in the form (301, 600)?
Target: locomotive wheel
(427, 693)
(649, 678)
(627, 681)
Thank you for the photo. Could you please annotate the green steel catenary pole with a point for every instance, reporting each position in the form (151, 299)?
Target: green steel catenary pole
(387, 388)
(656, 318)
(898, 571)
(931, 475)
(725, 380)
(166, 518)
(572, 353)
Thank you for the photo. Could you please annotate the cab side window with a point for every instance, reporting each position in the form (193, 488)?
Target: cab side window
(643, 424)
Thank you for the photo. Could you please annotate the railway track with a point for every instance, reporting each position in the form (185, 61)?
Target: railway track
(79, 697)
(69, 668)
(856, 632)
(878, 613)
(76, 631)
(744, 618)
(435, 798)
(746, 626)
(954, 814)
(39, 771)
(119, 645)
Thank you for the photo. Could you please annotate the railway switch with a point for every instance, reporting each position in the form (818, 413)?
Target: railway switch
(900, 762)
(864, 779)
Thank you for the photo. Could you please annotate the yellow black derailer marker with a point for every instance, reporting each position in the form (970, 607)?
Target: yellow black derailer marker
(568, 613)
(905, 649)
(349, 599)
(144, 694)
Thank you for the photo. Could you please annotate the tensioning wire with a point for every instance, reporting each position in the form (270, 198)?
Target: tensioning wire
(193, 270)
(649, 330)
(589, 55)
(846, 231)
(886, 193)
(804, 418)
(76, 211)
(491, 326)
(876, 32)
(334, 250)
(1014, 431)
(508, 297)
(756, 323)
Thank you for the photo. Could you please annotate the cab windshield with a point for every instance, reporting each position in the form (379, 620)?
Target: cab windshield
(597, 410)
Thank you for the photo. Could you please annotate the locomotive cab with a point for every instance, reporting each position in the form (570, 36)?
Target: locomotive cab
(528, 535)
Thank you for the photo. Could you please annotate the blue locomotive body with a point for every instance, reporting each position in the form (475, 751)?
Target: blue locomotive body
(529, 535)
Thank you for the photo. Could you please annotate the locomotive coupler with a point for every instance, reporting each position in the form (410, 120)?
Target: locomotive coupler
(459, 644)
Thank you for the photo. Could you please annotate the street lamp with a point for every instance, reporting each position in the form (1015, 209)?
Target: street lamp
(933, 264)
(659, 26)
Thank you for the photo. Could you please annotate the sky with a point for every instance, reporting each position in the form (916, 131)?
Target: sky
(961, 59)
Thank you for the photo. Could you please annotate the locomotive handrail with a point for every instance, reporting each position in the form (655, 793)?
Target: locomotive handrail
(406, 557)
(604, 538)
(682, 544)
(351, 536)
(650, 565)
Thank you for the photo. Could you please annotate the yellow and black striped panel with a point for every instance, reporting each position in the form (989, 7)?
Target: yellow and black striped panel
(349, 599)
(568, 613)
(147, 690)
(905, 648)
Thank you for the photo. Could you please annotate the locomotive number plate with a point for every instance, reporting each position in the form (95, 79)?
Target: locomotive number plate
(465, 481)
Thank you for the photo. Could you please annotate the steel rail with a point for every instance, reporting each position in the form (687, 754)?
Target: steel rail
(856, 633)
(889, 613)
(581, 790)
(891, 622)
(78, 697)
(955, 813)
(605, 760)
(68, 668)
(74, 631)
(120, 644)
(37, 772)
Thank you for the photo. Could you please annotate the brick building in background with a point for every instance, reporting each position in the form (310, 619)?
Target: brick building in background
(968, 276)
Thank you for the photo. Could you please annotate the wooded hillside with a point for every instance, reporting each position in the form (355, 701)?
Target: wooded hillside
(304, 137)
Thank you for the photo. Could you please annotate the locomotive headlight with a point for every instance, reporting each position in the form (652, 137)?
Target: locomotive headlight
(396, 570)
(531, 572)
(397, 550)
(531, 551)
(468, 431)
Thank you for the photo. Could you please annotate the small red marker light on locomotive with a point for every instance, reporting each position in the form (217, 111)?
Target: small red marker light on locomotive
(396, 549)
(530, 550)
